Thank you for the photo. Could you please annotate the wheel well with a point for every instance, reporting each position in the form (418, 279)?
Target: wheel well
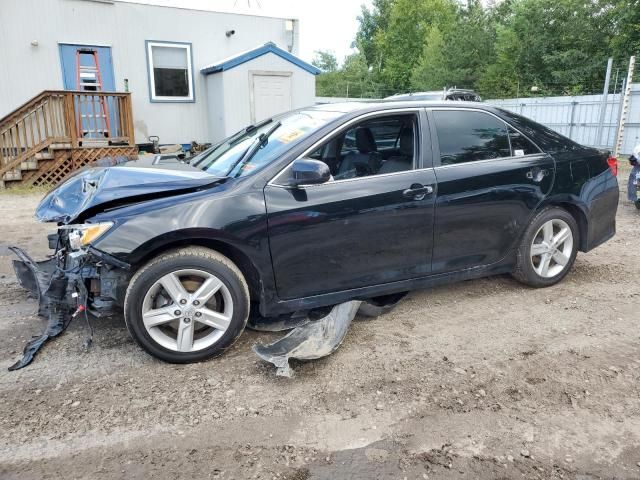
(580, 219)
(242, 261)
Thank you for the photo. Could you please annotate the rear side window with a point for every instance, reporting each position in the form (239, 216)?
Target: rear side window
(468, 136)
(549, 140)
(520, 145)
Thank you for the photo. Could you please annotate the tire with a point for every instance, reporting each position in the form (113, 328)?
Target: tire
(637, 204)
(208, 317)
(376, 306)
(530, 267)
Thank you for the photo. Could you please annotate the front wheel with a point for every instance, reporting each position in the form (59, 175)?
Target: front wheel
(187, 305)
(548, 248)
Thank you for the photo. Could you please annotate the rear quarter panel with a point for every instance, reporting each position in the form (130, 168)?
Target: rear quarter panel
(584, 180)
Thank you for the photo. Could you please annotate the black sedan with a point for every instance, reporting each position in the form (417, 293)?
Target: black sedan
(317, 207)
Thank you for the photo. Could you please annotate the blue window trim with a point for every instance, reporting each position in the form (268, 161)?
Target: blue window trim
(269, 47)
(150, 72)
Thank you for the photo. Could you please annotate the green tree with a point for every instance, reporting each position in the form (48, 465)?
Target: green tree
(456, 56)
(325, 61)
(353, 79)
(403, 42)
(500, 48)
(372, 22)
(626, 17)
(500, 78)
(431, 72)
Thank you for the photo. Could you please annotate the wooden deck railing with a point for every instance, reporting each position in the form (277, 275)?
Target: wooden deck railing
(64, 117)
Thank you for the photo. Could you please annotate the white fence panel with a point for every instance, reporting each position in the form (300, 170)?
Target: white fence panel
(578, 117)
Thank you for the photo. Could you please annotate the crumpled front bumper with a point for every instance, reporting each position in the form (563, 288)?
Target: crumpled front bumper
(65, 285)
(49, 285)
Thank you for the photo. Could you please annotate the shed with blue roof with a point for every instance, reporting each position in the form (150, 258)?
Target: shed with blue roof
(256, 84)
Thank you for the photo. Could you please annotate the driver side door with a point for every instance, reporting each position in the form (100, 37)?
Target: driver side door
(368, 225)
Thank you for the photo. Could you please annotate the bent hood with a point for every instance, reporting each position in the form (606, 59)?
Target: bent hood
(117, 185)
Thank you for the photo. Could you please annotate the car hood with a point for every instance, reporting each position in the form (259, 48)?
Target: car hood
(118, 185)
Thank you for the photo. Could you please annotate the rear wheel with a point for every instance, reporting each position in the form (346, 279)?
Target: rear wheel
(548, 249)
(187, 305)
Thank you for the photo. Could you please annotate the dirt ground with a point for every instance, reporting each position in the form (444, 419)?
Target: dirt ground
(484, 379)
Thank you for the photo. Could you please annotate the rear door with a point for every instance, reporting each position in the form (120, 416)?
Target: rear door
(366, 226)
(490, 179)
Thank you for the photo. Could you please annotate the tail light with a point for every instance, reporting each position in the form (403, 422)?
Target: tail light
(613, 165)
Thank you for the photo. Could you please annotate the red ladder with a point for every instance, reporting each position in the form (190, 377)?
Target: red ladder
(88, 79)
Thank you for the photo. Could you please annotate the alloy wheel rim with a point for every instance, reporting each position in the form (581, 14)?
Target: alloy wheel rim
(187, 310)
(551, 248)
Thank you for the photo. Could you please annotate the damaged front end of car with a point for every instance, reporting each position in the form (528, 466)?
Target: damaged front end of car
(76, 280)
(79, 279)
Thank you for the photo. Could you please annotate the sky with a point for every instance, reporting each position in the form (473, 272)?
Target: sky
(324, 24)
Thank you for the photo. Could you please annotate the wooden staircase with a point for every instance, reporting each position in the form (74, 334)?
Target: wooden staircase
(40, 142)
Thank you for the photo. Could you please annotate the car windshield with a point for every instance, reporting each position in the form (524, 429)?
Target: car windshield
(235, 157)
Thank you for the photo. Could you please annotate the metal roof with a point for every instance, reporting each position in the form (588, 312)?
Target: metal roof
(247, 56)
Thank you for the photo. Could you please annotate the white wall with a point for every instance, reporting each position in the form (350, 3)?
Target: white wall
(232, 109)
(26, 70)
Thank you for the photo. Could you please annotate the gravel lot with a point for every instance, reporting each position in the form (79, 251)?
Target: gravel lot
(482, 379)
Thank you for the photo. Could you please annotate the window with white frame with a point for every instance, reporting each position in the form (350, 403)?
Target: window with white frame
(170, 71)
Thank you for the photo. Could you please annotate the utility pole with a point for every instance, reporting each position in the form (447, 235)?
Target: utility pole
(624, 107)
(603, 102)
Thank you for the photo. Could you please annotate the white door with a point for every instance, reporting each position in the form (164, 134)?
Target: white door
(271, 95)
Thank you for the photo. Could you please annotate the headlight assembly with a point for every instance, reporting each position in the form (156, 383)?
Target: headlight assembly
(85, 234)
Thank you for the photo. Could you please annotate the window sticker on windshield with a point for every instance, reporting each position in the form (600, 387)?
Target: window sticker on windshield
(518, 153)
(288, 137)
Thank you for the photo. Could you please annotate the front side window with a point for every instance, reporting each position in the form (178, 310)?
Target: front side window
(469, 136)
(373, 147)
(170, 72)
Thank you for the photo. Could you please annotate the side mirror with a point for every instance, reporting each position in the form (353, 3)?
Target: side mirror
(306, 171)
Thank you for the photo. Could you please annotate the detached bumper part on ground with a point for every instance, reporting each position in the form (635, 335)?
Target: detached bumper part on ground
(312, 340)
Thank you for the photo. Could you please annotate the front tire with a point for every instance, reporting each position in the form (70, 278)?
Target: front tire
(187, 305)
(548, 248)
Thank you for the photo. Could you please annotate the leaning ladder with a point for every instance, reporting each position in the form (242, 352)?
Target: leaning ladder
(93, 112)
(624, 107)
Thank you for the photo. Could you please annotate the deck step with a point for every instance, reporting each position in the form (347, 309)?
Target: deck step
(44, 155)
(60, 146)
(31, 164)
(14, 174)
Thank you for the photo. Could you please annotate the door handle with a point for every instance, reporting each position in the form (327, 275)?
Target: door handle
(537, 174)
(417, 191)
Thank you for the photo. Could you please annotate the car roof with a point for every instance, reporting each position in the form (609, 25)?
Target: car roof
(384, 105)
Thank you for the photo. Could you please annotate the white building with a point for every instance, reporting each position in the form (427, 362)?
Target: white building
(193, 75)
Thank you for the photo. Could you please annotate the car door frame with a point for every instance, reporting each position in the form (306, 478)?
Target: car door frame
(423, 160)
(343, 127)
(506, 259)
(436, 144)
